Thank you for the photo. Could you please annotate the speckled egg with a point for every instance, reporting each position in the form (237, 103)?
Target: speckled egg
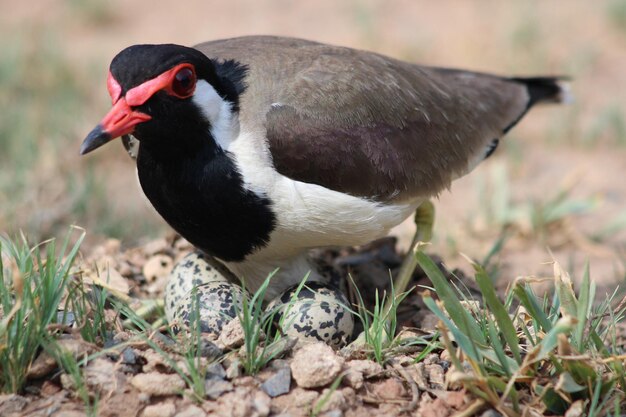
(217, 304)
(318, 313)
(193, 270)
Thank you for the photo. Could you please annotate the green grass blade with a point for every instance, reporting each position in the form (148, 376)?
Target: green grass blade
(529, 301)
(584, 308)
(453, 306)
(505, 324)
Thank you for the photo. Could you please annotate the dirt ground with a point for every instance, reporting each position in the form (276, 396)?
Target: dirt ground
(576, 151)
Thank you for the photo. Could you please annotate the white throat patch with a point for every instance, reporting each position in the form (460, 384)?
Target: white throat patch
(219, 112)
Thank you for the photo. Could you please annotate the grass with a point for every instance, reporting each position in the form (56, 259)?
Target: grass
(535, 219)
(526, 354)
(616, 13)
(33, 281)
(44, 184)
(381, 324)
(530, 354)
(264, 339)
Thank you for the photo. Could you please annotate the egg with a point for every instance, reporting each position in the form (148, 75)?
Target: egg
(217, 303)
(191, 271)
(320, 312)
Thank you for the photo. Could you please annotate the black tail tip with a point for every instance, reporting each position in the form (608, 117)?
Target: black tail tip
(547, 89)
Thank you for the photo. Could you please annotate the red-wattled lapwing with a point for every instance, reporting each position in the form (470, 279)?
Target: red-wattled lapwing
(256, 149)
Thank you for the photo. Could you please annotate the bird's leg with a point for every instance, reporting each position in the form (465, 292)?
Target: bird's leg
(424, 220)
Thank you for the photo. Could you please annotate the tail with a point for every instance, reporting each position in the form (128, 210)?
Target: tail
(546, 89)
(542, 90)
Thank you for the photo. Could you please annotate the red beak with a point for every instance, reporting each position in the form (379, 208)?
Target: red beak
(121, 120)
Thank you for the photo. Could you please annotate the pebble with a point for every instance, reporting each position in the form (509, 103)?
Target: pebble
(357, 370)
(155, 383)
(435, 376)
(214, 388)
(192, 411)
(388, 389)
(315, 365)
(129, 357)
(298, 401)
(12, 403)
(278, 384)
(165, 409)
(491, 413)
(158, 266)
(234, 369)
(157, 246)
(100, 375)
(232, 335)
(330, 401)
(215, 370)
(209, 350)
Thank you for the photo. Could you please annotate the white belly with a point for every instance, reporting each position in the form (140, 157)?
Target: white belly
(308, 216)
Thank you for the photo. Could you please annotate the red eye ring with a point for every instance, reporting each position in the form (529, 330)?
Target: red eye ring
(183, 82)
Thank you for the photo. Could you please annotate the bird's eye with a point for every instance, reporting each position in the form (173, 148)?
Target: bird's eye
(184, 82)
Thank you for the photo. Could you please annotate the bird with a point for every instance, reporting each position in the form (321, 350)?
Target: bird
(257, 149)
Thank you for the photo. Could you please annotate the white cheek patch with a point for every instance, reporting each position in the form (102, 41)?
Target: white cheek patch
(218, 112)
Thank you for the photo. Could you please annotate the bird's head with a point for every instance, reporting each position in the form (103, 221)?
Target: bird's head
(156, 90)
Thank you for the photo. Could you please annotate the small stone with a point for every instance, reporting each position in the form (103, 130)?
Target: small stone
(44, 364)
(367, 367)
(246, 381)
(315, 365)
(215, 370)
(353, 378)
(435, 376)
(278, 384)
(234, 369)
(112, 246)
(261, 404)
(357, 370)
(100, 375)
(214, 388)
(332, 413)
(388, 389)
(431, 359)
(330, 401)
(192, 411)
(298, 402)
(279, 364)
(158, 266)
(491, 413)
(157, 246)
(129, 357)
(159, 410)
(208, 349)
(154, 383)
(49, 388)
(125, 269)
(418, 374)
(12, 403)
(243, 402)
(232, 335)
(155, 362)
(454, 399)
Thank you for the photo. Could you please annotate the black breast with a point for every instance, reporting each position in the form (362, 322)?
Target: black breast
(203, 198)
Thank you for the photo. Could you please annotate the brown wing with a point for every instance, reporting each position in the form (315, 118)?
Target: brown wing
(368, 125)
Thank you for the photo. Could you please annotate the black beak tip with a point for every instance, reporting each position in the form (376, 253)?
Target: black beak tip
(94, 140)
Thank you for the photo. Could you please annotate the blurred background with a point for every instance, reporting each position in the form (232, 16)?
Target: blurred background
(558, 181)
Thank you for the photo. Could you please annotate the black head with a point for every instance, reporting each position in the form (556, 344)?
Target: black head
(152, 87)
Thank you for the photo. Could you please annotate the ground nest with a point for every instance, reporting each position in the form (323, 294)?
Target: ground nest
(138, 378)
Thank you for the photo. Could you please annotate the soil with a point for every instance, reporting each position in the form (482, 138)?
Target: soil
(134, 379)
